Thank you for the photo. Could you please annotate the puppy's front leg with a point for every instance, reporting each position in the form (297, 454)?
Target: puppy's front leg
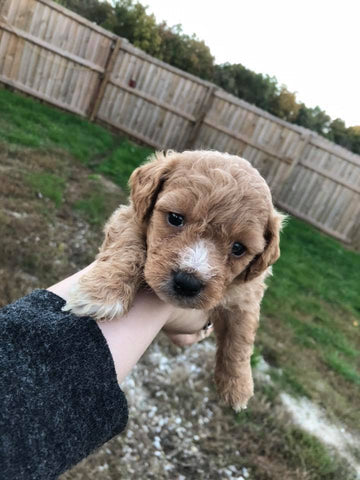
(235, 334)
(109, 288)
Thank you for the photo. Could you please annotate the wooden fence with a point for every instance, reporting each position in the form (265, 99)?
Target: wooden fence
(57, 56)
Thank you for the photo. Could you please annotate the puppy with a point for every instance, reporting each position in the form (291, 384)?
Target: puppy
(201, 231)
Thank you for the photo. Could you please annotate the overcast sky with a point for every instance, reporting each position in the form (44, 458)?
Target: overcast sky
(311, 46)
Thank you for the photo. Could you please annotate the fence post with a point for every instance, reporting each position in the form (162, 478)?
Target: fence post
(103, 79)
(307, 139)
(295, 161)
(205, 107)
(355, 233)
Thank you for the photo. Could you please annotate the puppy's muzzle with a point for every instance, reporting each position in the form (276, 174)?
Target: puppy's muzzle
(186, 284)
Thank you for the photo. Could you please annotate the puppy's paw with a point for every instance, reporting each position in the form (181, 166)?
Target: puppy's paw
(234, 391)
(82, 304)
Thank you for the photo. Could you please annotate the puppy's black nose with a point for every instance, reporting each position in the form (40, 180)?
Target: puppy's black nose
(186, 284)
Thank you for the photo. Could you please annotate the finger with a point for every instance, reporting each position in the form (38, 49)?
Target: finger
(186, 339)
(206, 332)
(208, 326)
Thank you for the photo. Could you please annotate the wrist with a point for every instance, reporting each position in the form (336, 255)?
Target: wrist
(63, 288)
(128, 337)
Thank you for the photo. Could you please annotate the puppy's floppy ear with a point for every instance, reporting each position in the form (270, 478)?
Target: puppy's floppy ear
(146, 183)
(272, 248)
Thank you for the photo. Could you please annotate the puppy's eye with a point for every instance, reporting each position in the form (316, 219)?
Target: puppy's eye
(238, 249)
(175, 219)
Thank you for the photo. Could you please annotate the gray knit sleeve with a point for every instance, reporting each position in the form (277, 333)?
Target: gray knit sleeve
(59, 397)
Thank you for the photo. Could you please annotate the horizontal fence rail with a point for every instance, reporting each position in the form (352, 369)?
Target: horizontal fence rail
(59, 57)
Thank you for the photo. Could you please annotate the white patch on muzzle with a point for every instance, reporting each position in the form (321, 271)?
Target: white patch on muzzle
(196, 258)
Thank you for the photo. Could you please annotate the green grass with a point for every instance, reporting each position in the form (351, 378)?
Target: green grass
(28, 123)
(342, 367)
(289, 380)
(48, 185)
(93, 208)
(316, 268)
(311, 320)
(320, 336)
(312, 455)
(25, 122)
(122, 161)
(290, 447)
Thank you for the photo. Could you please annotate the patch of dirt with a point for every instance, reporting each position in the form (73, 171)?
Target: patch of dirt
(177, 429)
(40, 243)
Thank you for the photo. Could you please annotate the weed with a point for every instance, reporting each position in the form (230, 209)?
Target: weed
(93, 207)
(340, 366)
(122, 161)
(256, 356)
(288, 379)
(305, 449)
(315, 336)
(49, 185)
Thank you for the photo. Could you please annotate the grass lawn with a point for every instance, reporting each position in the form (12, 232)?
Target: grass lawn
(310, 327)
(28, 123)
(311, 320)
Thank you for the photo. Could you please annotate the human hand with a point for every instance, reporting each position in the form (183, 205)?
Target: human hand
(128, 336)
(187, 339)
(184, 330)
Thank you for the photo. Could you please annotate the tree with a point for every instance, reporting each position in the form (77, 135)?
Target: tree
(93, 10)
(354, 134)
(338, 133)
(314, 119)
(355, 130)
(186, 52)
(261, 90)
(285, 105)
(131, 21)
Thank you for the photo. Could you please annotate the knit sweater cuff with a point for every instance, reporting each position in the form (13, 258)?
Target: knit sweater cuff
(62, 399)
